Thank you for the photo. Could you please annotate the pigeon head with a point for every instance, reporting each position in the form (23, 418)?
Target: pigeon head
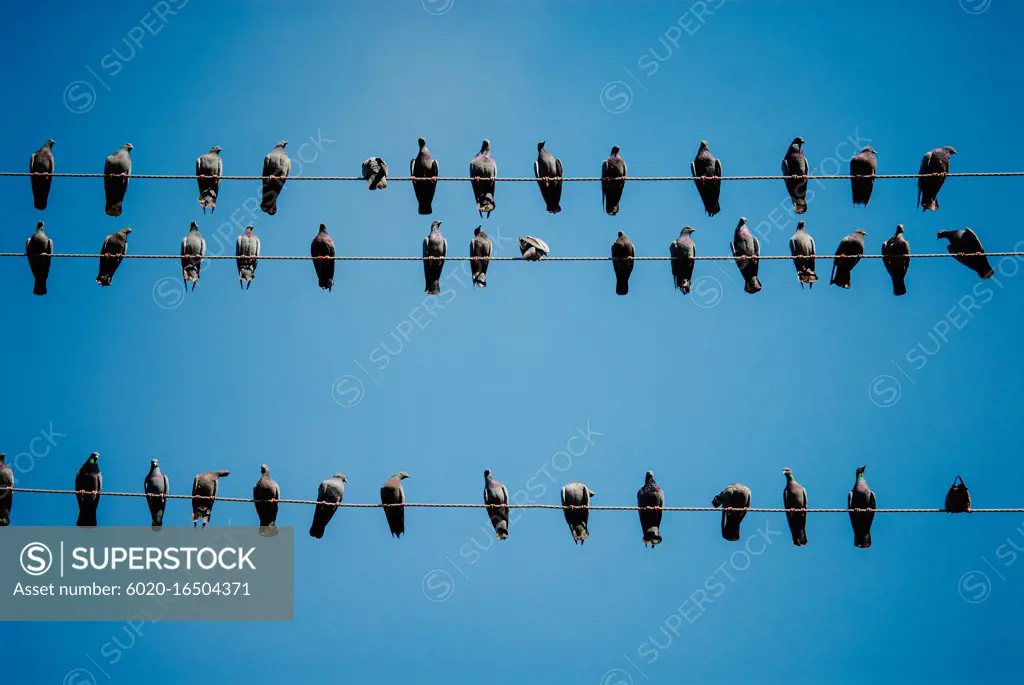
(39, 225)
(153, 463)
(248, 229)
(649, 476)
(215, 148)
(860, 231)
(949, 149)
(615, 150)
(487, 473)
(281, 143)
(323, 228)
(485, 146)
(800, 226)
(193, 226)
(422, 142)
(870, 149)
(703, 145)
(743, 222)
(93, 459)
(50, 142)
(434, 225)
(687, 230)
(401, 475)
(717, 501)
(540, 146)
(3, 457)
(860, 471)
(788, 473)
(899, 229)
(126, 230)
(264, 469)
(128, 147)
(476, 231)
(798, 141)
(621, 234)
(591, 492)
(341, 477)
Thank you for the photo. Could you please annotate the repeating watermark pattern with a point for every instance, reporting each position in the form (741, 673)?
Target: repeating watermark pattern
(975, 6)
(707, 292)
(696, 604)
(976, 586)
(617, 96)
(39, 447)
(437, 7)
(438, 585)
(169, 291)
(80, 96)
(349, 390)
(885, 390)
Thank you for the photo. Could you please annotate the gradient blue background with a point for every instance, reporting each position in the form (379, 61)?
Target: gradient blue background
(503, 378)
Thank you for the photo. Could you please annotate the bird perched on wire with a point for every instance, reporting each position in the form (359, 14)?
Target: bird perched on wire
(965, 246)
(801, 246)
(865, 165)
(896, 258)
(39, 251)
(276, 167)
(613, 181)
(683, 252)
(576, 494)
(623, 253)
(848, 254)
(650, 495)
(795, 164)
(247, 256)
(112, 254)
(934, 162)
(795, 497)
(483, 170)
(209, 168)
(193, 249)
(41, 164)
(6, 491)
(204, 494)
(479, 249)
(434, 245)
(958, 499)
(747, 251)
(861, 497)
(709, 186)
(496, 499)
(532, 249)
(330, 493)
(392, 492)
(734, 496)
(88, 486)
(375, 173)
(548, 170)
(116, 171)
(265, 495)
(156, 486)
(424, 171)
(322, 252)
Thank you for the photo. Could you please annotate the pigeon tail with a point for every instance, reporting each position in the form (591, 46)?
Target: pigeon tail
(501, 530)
(114, 209)
(480, 279)
(685, 287)
(326, 283)
(317, 530)
(433, 288)
(899, 285)
(731, 530)
(986, 271)
(425, 209)
(713, 208)
(554, 208)
(862, 541)
(39, 288)
(86, 519)
(929, 203)
(40, 203)
(485, 203)
(841, 278)
(208, 199)
(622, 285)
(752, 285)
(268, 531)
(652, 536)
(580, 533)
(104, 279)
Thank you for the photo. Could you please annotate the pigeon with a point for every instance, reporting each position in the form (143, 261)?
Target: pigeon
(706, 166)
(896, 258)
(848, 254)
(88, 486)
(576, 494)
(747, 251)
(934, 162)
(496, 494)
(209, 167)
(156, 487)
(275, 164)
(193, 249)
(795, 497)
(6, 496)
(392, 492)
(958, 499)
(204, 494)
(247, 256)
(801, 246)
(795, 164)
(434, 245)
(375, 172)
(623, 253)
(650, 495)
(735, 496)
(424, 166)
(483, 171)
(479, 246)
(532, 249)
(265, 495)
(323, 247)
(613, 181)
(861, 497)
(966, 248)
(112, 254)
(683, 253)
(546, 168)
(116, 171)
(41, 162)
(39, 249)
(864, 163)
(330, 493)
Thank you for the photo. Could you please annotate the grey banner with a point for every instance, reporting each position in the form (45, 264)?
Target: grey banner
(115, 573)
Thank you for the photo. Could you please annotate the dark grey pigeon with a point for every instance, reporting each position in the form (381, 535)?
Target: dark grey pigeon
(623, 253)
(709, 185)
(735, 496)
(329, 494)
(115, 246)
(41, 162)
(576, 494)
(6, 496)
(795, 497)
(278, 165)
(483, 167)
(958, 499)
(801, 246)
(650, 495)
(265, 495)
(496, 497)
(156, 486)
(533, 249)
(38, 249)
(204, 494)
(209, 167)
(747, 250)
(392, 492)
(966, 248)
(434, 245)
(546, 168)
(861, 497)
(795, 164)
(375, 173)
(613, 181)
(896, 258)
(88, 486)
(934, 162)
(116, 171)
(683, 252)
(479, 246)
(322, 252)
(848, 254)
(865, 164)
(247, 256)
(193, 249)
(424, 166)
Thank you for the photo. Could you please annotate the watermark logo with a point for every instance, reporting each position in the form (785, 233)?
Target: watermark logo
(884, 391)
(975, 6)
(348, 391)
(707, 292)
(36, 559)
(438, 586)
(169, 292)
(974, 587)
(616, 97)
(437, 7)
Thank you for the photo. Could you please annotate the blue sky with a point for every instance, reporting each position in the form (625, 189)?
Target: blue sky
(706, 389)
